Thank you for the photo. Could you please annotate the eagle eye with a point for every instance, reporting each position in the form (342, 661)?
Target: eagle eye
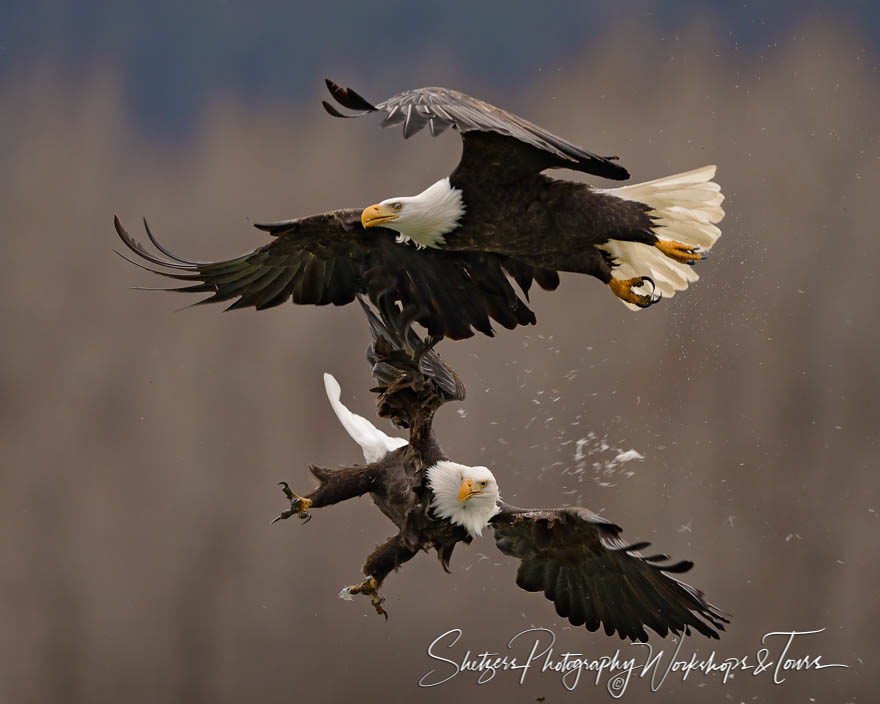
(484, 483)
(396, 206)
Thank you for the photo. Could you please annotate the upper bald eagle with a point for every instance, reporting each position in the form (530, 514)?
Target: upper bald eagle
(496, 215)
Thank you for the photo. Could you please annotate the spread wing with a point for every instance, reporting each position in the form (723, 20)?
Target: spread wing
(580, 563)
(331, 258)
(441, 108)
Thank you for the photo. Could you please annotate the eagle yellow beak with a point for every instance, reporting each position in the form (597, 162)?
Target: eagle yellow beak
(376, 215)
(466, 490)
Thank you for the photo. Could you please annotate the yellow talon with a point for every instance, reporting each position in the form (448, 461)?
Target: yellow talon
(679, 252)
(623, 289)
(299, 506)
(370, 588)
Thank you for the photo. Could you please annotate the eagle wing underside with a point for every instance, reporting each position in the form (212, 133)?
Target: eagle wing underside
(578, 560)
(330, 258)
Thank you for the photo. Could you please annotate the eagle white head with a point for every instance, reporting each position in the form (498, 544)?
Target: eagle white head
(424, 218)
(466, 496)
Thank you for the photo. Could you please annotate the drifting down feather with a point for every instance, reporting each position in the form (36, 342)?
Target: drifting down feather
(373, 441)
(684, 207)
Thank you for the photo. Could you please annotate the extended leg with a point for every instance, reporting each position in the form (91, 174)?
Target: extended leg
(597, 262)
(385, 558)
(336, 485)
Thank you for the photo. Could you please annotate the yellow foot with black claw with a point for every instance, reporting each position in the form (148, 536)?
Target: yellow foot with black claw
(680, 252)
(369, 587)
(299, 506)
(623, 289)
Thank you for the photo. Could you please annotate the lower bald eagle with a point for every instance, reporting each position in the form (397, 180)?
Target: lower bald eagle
(571, 554)
(444, 255)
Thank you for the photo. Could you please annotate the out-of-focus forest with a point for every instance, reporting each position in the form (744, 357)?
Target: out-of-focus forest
(141, 446)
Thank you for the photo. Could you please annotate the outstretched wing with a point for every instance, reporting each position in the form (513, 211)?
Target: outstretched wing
(330, 258)
(580, 563)
(441, 108)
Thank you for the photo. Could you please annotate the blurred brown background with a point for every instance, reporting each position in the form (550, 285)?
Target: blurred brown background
(140, 447)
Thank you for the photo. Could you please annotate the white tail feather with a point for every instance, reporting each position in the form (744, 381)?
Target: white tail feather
(373, 441)
(685, 208)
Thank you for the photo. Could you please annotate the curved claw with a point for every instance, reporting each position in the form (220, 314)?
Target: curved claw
(648, 299)
(623, 289)
(369, 587)
(299, 506)
(704, 255)
(377, 602)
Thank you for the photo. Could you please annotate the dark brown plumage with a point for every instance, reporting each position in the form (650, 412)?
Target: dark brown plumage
(580, 563)
(331, 258)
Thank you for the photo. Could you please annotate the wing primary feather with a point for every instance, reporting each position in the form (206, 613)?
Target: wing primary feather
(413, 122)
(140, 250)
(437, 126)
(256, 288)
(635, 547)
(660, 557)
(677, 568)
(347, 98)
(333, 111)
(179, 277)
(395, 117)
(164, 251)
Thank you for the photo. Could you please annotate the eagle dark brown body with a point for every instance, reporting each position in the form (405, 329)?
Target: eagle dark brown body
(396, 483)
(546, 223)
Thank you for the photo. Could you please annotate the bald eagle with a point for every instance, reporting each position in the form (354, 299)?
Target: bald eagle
(574, 556)
(445, 255)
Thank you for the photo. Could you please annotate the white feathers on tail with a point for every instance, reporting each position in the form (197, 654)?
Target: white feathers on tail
(373, 441)
(684, 207)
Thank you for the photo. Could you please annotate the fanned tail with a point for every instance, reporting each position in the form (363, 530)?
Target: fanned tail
(373, 441)
(684, 208)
